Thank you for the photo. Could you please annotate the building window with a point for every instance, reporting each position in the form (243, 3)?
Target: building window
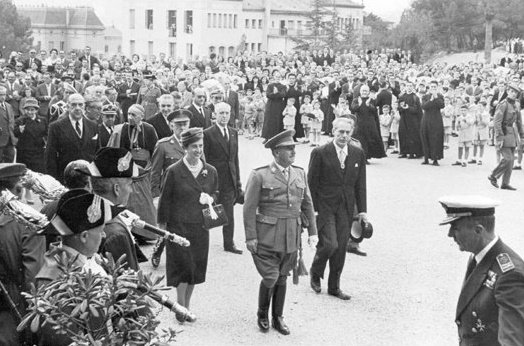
(172, 49)
(220, 20)
(209, 20)
(252, 47)
(106, 48)
(62, 45)
(188, 23)
(291, 25)
(214, 20)
(132, 47)
(260, 47)
(171, 23)
(221, 51)
(283, 29)
(234, 21)
(230, 21)
(149, 19)
(189, 51)
(247, 23)
(211, 49)
(131, 19)
(254, 23)
(260, 23)
(150, 48)
(231, 51)
(299, 27)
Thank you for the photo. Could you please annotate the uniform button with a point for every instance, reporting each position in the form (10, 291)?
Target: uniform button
(474, 314)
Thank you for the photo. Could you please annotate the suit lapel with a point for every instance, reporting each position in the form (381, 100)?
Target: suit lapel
(477, 277)
(350, 162)
(188, 176)
(221, 139)
(333, 158)
(232, 140)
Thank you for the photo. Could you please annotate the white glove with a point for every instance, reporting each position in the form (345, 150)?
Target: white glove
(205, 199)
(362, 217)
(313, 241)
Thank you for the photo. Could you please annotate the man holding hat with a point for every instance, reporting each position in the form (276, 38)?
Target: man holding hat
(167, 151)
(490, 309)
(276, 197)
(111, 178)
(21, 256)
(337, 177)
(507, 125)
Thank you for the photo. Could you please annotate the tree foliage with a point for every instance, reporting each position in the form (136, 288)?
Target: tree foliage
(380, 32)
(15, 30)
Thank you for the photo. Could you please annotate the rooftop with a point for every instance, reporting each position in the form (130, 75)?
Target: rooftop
(294, 5)
(62, 17)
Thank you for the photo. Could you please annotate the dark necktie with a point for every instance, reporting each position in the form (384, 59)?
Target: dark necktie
(78, 129)
(471, 266)
(225, 135)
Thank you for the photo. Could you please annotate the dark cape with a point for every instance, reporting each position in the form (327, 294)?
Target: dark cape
(276, 102)
(409, 125)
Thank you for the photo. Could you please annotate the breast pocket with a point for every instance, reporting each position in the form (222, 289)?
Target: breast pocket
(266, 229)
(300, 187)
(268, 191)
(169, 160)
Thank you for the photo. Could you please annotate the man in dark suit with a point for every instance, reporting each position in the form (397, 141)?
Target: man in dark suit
(32, 59)
(490, 309)
(127, 94)
(44, 93)
(91, 60)
(231, 98)
(201, 115)
(7, 126)
(221, 151)
(337, 179)
(72, 137)
(159, 121)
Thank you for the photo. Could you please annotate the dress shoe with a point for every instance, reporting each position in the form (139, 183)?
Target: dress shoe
(180, 317)
(457, 163)
(263, 321)
(233, 249)
(517, 168)
(493, 181)
(356, 251)
(280, 326)
(315, 283)
(190, 317)
(394, 152)
(479, 162)
(425, 162)
(507, 187)
(340, 295)
(435, 163)
(411, 157)
(464, 164)
(472, 161)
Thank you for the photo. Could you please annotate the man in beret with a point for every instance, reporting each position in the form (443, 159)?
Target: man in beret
(221, 150)
(337, 178)
(112, 173)
(167, 151)
(490, 309)
(507, 125)
(276, 196)
(21, 256)
(72, 137)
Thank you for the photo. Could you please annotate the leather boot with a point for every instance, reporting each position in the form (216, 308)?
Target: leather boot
(264, 298)
(279, 298)
(157, 251)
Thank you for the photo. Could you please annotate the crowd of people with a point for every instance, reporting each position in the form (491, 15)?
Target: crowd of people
(160, 136)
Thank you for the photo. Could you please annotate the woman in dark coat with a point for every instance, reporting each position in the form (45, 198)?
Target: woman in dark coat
(31, 131)
(189, 186)
(432, 127)
(276, 102)
(368, 126)
(409, 126)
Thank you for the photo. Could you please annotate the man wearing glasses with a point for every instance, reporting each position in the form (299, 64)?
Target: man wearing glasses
(71, 137)
(33, 59)
(201, 114)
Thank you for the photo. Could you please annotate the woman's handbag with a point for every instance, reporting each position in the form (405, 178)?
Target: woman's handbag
(214, 216)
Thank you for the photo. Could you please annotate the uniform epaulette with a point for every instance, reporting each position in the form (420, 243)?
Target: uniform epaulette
(165, 139)
(505, 262)
(297, 167)
(261, 167)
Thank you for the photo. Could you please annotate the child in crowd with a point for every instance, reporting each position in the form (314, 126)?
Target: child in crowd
(447, 119)
(342, 109)
(289, 114)
(249, 117)
(480, 140)
(305, 120)
(316, 123)
(260, 107)
(385, 125)
(466, 133)
(393, 131)
(241, 110)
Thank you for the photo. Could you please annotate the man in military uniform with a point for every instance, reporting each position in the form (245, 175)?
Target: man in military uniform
(490, 309)
(21, 256)
(507, 126)
(276, 196)
(167, 151)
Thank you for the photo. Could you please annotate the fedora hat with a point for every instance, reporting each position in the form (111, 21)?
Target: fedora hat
(360, 230)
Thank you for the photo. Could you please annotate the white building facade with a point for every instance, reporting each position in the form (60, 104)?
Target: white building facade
(190, 28)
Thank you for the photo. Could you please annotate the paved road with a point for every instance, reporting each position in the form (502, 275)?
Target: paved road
(403, 293)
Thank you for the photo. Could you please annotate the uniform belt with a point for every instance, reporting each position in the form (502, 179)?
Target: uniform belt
(278, 216)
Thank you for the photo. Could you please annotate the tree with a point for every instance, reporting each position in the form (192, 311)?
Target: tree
(380, 33)
(15, 30)
(315, 27)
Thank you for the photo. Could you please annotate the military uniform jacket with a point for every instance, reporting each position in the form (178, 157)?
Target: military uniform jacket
(273, 205)
(508, 124)
(490, 309)
(167, 151)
